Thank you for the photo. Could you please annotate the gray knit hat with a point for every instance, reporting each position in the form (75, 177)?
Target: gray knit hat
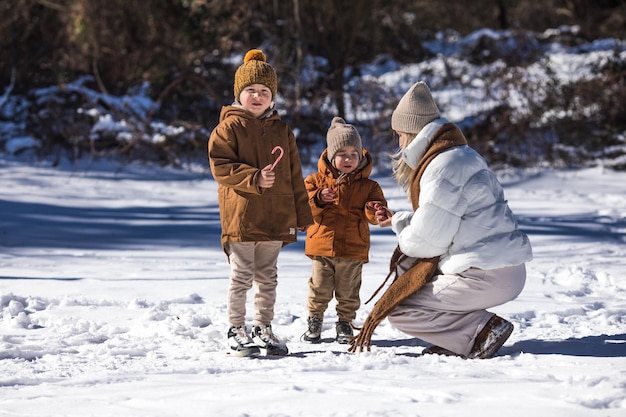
(342, 134)
(415, 110)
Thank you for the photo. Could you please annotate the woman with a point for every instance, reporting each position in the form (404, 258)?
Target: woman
(462, 234)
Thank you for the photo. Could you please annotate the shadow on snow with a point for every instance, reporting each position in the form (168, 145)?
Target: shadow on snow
(584, 227)
(601, 346)
(39, 225)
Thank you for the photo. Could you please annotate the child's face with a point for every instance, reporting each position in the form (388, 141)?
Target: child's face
(347, 159)
(256, 99)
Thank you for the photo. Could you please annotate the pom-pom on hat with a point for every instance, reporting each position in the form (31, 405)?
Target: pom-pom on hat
(415, 110)
(255, 70)
(342, 134)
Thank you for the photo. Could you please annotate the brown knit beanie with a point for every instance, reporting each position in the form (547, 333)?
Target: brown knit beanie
(415, 110)
(255, 70)
(342, 134)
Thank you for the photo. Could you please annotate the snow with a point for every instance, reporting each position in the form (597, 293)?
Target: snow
(16, 144)
(113, 303)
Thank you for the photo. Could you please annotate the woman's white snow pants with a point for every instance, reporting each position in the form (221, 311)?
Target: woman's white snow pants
(449, 311)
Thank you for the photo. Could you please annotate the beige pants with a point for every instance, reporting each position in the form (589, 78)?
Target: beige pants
(449, 311)
(252, 262)
(339, 277)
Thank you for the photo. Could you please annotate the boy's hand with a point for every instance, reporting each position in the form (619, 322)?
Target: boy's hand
(267, 177)
(381, 213)
(328, 195)
(373, 205)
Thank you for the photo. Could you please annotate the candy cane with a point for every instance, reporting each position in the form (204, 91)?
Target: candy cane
(280, 155)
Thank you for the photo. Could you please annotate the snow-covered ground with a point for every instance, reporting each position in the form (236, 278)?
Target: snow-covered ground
(113, 303)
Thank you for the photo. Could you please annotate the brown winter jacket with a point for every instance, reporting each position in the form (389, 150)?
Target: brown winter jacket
(341, 228)
(239, 147)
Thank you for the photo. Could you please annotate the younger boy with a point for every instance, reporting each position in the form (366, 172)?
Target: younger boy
(343, 201)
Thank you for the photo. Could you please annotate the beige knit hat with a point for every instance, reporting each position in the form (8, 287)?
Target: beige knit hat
(342, 134)
(415, 110)
(255, 70)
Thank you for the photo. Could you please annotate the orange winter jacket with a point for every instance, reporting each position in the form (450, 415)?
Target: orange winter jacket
(239, 147)
(341, 228)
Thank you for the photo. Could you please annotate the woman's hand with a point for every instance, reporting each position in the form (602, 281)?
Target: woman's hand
(384, 220)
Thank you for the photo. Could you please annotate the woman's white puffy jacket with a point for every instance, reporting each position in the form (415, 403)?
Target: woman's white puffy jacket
(462, 215)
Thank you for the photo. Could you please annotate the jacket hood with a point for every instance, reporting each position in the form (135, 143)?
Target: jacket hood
(418, 147)
(364, 170)
(236, 109)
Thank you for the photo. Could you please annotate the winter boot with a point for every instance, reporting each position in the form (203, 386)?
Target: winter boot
(241, 345)
(491, 338)
(344, 332)
(314, 332)
(267, 341)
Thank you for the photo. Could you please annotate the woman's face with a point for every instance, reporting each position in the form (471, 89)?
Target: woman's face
(403, 139)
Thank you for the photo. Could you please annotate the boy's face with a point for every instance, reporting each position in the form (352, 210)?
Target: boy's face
(256, 99)
(347, 159)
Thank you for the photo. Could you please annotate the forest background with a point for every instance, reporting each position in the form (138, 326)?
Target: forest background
(182, 54)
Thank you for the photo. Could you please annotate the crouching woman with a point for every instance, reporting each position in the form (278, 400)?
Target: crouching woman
(460, 251)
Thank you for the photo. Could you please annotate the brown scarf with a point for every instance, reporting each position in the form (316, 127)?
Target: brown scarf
(422, 271)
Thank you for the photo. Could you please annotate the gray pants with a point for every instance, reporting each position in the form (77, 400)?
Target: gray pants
(252, 262)
(449, 311)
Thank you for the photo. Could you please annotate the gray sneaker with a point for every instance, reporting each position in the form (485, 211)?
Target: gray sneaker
(266, 340)
(241, 345)
(314, 331)
(491, 338)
